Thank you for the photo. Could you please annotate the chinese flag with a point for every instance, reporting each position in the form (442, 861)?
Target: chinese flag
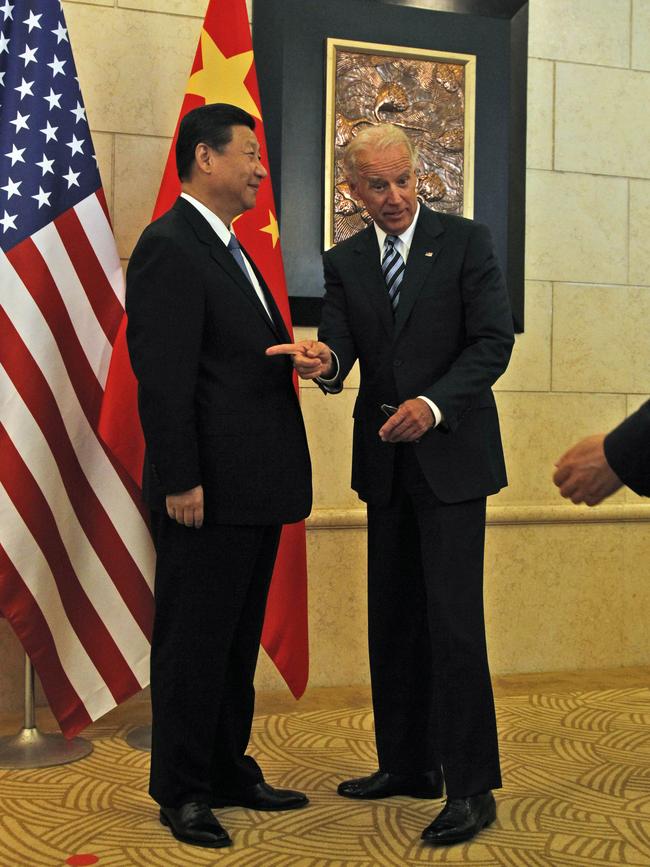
(224, 71)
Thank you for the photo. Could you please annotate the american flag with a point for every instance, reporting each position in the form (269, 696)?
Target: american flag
(76, 560)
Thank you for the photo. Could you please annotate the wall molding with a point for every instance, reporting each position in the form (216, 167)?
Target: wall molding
(351, 519)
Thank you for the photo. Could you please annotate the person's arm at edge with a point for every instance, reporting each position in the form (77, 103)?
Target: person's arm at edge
(627, 449)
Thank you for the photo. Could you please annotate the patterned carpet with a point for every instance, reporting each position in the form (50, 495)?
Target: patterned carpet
(576, 791)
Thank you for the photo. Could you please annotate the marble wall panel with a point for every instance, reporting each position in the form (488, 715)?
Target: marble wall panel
(144, 158)
(639, 312)
(134, 77)
(530, 363)
(556, 598)
(634, 401)
(539, 128)
(583, 31)
(338, 608)
(640, 232)
(12, 672)
(104, 149)
(67, 3)
(338, 644)
(195, 8)
(597, 342)
(328, 419)
(641, 34)
(537, 429)
(602, 124)
(634, 588)
(576, 227)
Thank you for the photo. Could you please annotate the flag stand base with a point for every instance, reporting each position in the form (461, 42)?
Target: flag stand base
(139, 738)
(30, 748)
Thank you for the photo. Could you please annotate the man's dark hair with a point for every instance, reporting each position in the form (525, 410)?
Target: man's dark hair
(210, 124)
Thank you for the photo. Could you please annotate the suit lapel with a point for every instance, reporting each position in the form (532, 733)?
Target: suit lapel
(366, 252)
(424, 251)
(278, 320)
(224, 259)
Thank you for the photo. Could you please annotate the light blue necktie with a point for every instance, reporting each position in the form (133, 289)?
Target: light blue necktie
(392, 266)
(238, 256)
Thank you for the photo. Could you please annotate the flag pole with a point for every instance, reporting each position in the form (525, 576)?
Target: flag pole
(31, 748)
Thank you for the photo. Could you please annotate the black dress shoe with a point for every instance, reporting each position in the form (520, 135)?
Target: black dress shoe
(461, 819)
(261, 796)
(385, 785)
(194, 823)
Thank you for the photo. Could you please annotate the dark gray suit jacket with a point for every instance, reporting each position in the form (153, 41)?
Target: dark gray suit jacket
(450, 340)
(215, 409)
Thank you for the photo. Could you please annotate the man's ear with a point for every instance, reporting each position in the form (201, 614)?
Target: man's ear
(203, 157)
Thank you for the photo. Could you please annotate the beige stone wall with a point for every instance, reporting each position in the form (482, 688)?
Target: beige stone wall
(566, 588)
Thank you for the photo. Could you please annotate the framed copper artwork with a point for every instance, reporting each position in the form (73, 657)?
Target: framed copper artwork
(429, 94)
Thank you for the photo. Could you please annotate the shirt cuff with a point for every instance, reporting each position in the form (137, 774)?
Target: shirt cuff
(332, 379)
(437, 415)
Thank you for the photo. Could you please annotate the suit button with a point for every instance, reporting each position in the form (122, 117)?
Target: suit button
(397, 362)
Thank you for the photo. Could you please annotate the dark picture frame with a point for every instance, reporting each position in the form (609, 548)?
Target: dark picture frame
(289, 38)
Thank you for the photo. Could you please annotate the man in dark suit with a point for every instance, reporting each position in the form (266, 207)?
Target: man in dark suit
(598, 465)
(419, 300)
(226, 465)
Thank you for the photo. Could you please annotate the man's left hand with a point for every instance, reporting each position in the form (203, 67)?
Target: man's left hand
(583, 474)
(411, 421)
(186, 507)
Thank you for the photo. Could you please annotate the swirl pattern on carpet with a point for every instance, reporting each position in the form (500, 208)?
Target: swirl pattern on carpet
(576, 791)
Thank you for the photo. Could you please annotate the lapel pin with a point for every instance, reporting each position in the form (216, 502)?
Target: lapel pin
(429, 253)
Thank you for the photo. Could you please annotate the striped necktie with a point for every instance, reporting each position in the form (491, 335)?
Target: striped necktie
(392, 266)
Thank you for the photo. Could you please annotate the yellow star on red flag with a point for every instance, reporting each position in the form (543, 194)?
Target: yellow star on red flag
(272, 229)
(222, 78)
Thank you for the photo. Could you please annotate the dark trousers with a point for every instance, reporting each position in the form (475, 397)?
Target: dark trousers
(210, 595)
(431, 688)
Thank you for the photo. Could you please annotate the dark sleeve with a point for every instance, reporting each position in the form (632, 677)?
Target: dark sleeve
(489, 335)
(334, 329)
(627, 449)
(165, 308)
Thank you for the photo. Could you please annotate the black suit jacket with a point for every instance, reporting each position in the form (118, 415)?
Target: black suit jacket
(450, 340)
(214, 409)
(627, 449)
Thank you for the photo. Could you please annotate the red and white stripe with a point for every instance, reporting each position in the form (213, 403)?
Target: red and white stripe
(76, 569)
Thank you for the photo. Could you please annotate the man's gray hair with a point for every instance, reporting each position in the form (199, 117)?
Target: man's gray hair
(379, 137)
